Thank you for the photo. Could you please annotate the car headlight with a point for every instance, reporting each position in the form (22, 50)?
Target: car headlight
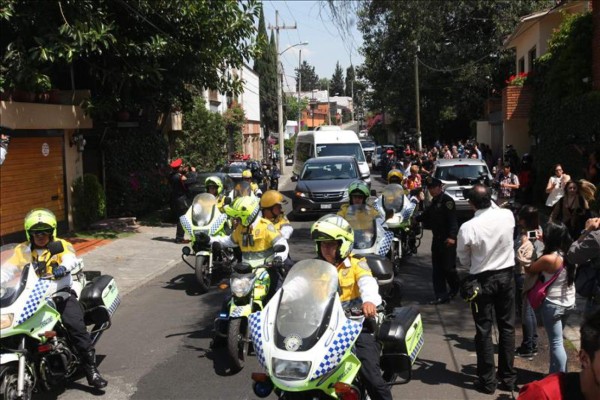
(345, 195)
(301, 194)
(240, 287)
(6, 320)
(291, 370)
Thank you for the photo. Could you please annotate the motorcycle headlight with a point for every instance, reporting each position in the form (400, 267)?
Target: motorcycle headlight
(291, 370)
(6, 320)
(240, 287)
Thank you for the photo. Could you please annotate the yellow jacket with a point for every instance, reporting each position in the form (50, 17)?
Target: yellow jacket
(283, 226)
(357, 283)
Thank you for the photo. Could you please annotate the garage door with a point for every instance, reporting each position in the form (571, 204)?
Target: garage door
(31, 176)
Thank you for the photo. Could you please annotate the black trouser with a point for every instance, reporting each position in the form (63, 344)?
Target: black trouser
(72, 318)
(177, 211)
(443, 260)
(497, 297)
(367, 351)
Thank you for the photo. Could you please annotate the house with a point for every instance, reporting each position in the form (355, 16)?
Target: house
(322, 108)
(507, 119)
(44, 158)
(249, 100)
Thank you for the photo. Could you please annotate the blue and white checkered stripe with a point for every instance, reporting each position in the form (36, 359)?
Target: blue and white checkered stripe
(32, 303)
(217, 224)
(416, 350)
(408, 211)
(386, 243)
(186, 224)
(114, 305)
(345, 337)
(255, 324)
(237, 312)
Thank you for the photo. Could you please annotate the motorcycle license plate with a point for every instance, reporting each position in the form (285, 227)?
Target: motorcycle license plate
(325, 206)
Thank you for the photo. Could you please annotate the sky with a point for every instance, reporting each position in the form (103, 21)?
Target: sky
(325, 45)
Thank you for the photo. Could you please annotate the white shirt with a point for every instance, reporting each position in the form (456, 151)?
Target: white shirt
(485, 243)
(556, 193)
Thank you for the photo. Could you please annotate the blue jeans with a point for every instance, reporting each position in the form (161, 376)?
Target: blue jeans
(554, 318)
(529, 326)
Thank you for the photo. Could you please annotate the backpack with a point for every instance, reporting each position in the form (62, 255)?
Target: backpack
(587, 280)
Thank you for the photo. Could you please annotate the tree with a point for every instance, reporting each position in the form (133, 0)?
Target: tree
(324, 84)
(292, 107)
(336, 86)
(350, 78)
(310, 80)
(265, 67)
(459, 60)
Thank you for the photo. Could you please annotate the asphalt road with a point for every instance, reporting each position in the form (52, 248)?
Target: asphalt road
(159, 344)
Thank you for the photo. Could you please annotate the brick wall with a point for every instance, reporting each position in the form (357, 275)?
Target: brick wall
(596, 44)
(516, 102)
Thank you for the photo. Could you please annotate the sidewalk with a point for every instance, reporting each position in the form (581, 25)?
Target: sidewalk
(133, 260)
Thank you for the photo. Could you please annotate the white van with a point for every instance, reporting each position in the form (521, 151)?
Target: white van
(329, 142)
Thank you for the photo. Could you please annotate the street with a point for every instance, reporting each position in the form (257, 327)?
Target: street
(159, 344)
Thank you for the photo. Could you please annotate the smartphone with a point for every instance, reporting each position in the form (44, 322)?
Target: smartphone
(532, 235)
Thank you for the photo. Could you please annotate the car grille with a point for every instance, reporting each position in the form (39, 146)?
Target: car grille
(327, 196)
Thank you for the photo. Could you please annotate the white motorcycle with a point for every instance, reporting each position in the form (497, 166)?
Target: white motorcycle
(304, 339)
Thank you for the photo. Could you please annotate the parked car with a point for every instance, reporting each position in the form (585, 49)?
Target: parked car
(368, 146)
(458, 174)
(379, 151)
(329, 142)
(323, 184)
(363, 133)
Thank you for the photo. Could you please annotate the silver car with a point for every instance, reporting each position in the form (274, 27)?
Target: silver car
(458, 174)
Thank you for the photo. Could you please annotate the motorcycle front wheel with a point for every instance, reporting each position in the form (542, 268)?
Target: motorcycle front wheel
(9, 375)
(203, 273)
(237, 346)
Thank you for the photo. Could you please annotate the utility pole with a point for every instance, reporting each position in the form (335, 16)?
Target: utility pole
(419, 142)
(279, 94)
(299, 89)
(352, 94)
(328, 106)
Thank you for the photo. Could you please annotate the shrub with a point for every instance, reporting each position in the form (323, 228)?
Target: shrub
(89, 201)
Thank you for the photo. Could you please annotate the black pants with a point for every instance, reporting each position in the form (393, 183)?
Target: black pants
(498, 297)
(177, 210)
(443, 260)
(72, 318)
(367, 351)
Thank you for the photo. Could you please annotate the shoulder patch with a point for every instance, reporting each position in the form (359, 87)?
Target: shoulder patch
(271, 228)
(450, 205)
(364, 265)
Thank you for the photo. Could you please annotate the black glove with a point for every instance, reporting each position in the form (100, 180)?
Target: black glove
(277, 262)
(59, 271)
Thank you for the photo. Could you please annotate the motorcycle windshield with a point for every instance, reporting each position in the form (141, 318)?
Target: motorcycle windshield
(362, 220)
(203, 208)
(393, 197)
(13, 274)
(243, 189)
(303, 312)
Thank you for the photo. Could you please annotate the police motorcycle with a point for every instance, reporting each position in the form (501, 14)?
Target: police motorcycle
(35, 348)
(203, 219)
(399, 211)
(249, 284)
(373, 241)
(304, 339)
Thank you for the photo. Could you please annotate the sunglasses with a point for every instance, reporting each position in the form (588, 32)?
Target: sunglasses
(42, 233)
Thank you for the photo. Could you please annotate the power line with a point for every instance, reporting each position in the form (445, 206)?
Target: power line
(470, 63)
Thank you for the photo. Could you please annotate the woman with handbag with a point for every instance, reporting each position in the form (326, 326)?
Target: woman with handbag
(555, 290)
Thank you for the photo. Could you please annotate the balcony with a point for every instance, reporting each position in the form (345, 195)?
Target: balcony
(516, 102)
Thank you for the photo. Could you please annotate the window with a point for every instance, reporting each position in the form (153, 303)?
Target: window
(324, 172)
(461, 171)
(521, 65)
(341, 149)
(531, 56)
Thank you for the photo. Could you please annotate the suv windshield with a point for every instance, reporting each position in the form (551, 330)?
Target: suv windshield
(368, 144)
(461, 171)
(326, 171)
(341, 149)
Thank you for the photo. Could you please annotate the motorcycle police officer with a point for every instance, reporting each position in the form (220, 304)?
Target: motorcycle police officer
(334, 239)
(40, 229)
(440, 217)
(271, 204)
(247, 176)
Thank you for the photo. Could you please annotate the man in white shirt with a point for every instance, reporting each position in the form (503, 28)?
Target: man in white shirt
(485, 244)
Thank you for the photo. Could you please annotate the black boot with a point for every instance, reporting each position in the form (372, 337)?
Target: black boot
(89, 366)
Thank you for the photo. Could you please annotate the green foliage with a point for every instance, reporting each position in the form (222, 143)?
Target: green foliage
(350, 78)
(89, 201)
(336, 86)
(323, 84)
(265, 66)
(147, 54)
(310, 79)
(204, 138)
(234, 119)
(292, 107)
(288, 145)
(136, 170)
(565, 109)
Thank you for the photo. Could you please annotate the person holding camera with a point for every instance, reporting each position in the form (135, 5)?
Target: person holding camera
(508, 183)
(485, 244)
(555, 186)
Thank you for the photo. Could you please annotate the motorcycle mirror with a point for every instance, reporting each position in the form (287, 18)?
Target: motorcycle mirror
(186, 251)
(373, 192)
(279, 248)
(56, 247)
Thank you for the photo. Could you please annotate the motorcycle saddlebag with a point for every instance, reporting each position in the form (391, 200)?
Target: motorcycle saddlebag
(100, 299)
(381, 267)
(401, 334)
